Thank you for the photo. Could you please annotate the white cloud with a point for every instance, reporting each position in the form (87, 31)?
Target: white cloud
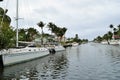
(88, 18)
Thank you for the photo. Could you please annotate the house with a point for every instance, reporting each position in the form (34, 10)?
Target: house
(116, 37)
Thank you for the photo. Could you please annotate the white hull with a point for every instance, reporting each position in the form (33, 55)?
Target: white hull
(59, 48)
(56, 48)
(75, 44)
(115, 42)
(14, 56)
(112, 42)
(104, 42)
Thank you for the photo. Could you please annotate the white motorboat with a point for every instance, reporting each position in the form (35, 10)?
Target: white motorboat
(59, 48)
(114, 42)
(104, 42)
(111, 42)
(52, 49)
(75, 44)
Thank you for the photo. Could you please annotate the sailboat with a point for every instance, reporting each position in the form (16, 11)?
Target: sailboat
(18, 55)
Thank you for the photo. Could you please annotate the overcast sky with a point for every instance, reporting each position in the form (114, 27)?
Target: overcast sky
(87, 18)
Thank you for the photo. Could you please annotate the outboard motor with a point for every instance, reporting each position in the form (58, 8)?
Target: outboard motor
(52, 51)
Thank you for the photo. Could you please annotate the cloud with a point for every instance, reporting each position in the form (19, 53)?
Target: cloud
(87, 18)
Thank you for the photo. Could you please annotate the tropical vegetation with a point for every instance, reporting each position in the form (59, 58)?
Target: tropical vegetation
(76, 39)
(114, 33)
(8, 33)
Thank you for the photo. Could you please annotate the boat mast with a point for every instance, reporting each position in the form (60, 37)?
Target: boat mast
(16, 23)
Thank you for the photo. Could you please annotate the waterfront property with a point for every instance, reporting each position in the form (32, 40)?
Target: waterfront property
(115, 40)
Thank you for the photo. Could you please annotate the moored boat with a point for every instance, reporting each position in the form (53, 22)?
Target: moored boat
(13, 56)
(111, 42)
(114, 42)
(17, 55)
(53, 49)
(59, 48)
(75, 44)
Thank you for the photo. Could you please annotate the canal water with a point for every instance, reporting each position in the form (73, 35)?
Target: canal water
(91, 61)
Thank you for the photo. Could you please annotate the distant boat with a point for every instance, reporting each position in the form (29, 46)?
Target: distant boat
(105, 42)
(59, 48)
(53, 49)
(75, 44)
(111, 42)
(114, 42)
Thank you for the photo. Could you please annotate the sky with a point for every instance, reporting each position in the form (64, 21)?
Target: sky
(87, 18)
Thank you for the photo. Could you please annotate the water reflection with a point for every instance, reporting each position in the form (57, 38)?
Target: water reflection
(55, 68)
(1, 73)
(90, 61)
(47, 68)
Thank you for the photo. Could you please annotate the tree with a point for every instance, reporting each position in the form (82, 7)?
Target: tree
(31, 33)
(5, 20)
(118, 31)
(60, 32)
(6, 31)
(64, 31)
(50, 26)
(41, 25)
(107, 37)
(111, 26)
(118, 27)
(76, 39)
(22, 34)
(110, 35)
(99, 39)
(115, 31)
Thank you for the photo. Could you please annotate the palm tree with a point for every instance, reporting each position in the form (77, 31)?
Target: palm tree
(59, 32)
(118, 27)
(99, 39)
(5, 20)
(110, 35)
(50, 26)
(62, 32)
(115, 31)
(118, 32)
(54, 29)
(31, 33)
(22, 34)
(41, 25)
(112, 27)
(106, 37)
